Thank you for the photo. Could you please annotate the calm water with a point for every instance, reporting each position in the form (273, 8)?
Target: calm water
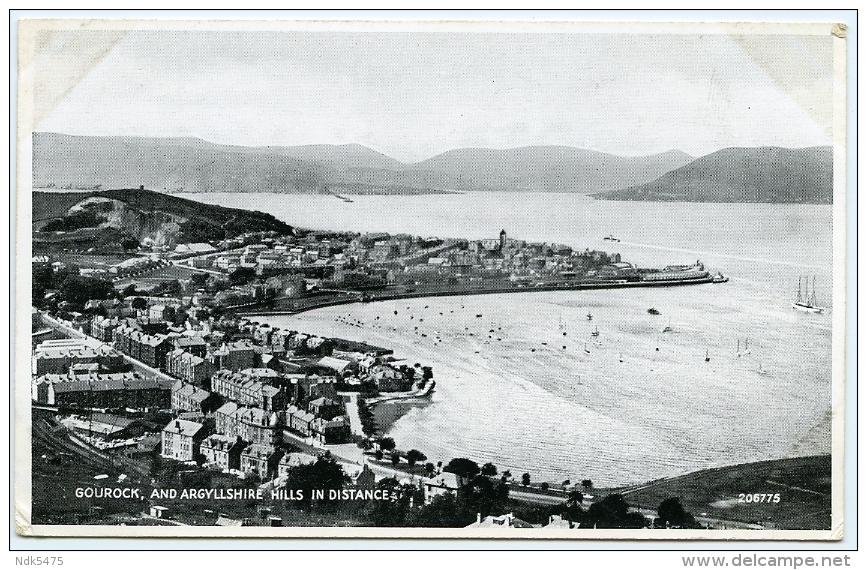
(612, 408)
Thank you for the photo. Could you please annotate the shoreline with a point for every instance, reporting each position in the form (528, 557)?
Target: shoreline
(370, 297)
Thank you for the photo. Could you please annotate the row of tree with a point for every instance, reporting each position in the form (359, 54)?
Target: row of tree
(479, 495)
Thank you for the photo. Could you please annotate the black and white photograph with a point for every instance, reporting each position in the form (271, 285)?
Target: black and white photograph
(434, 278)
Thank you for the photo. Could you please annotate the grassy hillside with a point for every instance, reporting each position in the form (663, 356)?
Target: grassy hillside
(803, 483)
(766, 174)
(118, 216)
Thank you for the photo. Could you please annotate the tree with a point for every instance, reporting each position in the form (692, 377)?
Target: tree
(242, 275)
(43, 274)
(671, 514)
(217, 283)
(489, 470)
(429, 468)
(326, 473)
(378, 454)
(395, 511)
(37, 290)
(587, 484)
(180, 317)
(395, 458)
(168, 289)
(139, 304)
(198, 280)
(413, 456)
(575, 497)
(78, 289)
(573, 511)
(525, 479)
(386, 443)
(444, 511)
(483, 496)
(544, 486)
(462, 467)
(613, 512)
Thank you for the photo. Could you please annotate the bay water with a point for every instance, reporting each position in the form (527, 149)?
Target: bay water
(739, 376)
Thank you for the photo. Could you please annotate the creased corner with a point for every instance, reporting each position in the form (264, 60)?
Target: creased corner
(837, 531)
(839, 31)
(23, 525)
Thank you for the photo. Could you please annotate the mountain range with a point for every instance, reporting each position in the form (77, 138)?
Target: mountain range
(194, 165)
(766, 174)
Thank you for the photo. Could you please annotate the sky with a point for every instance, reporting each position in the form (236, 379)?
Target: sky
(415, 95)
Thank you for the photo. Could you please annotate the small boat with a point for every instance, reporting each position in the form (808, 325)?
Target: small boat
(610, 237)
(344, 198)
(746, 349)
(621, 357)
(652, 311)
(761, 370)
(595, 333)
(720, 278)
(589, 317)
(587, 350)
(707, 355)
(668, 327)
(807, 302)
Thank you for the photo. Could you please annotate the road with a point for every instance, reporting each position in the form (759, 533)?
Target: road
(352, 413)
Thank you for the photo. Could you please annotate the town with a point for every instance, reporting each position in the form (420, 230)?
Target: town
(147, 355)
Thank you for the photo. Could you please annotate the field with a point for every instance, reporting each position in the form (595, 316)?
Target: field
(150, 279)
(803, 484)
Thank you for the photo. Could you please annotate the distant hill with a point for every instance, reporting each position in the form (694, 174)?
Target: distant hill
(194, 165)
(345, 156)
(550, 168)
(191, 165)
(765, 174)
(114, 219)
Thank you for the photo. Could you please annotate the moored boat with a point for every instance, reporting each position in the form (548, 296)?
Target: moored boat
(807, 301)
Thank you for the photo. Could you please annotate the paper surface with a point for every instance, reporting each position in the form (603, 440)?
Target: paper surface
(594, 343)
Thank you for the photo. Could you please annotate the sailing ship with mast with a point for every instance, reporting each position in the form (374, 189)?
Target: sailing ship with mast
(806, 300)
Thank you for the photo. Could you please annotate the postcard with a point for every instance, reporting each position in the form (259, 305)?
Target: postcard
(379, 278)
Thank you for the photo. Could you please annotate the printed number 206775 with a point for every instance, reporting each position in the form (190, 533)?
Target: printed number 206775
(759, 498)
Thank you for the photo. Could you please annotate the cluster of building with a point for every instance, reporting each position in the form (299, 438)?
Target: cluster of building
(389, 256)
(85, 373)
(384, 259)
(243, 396)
